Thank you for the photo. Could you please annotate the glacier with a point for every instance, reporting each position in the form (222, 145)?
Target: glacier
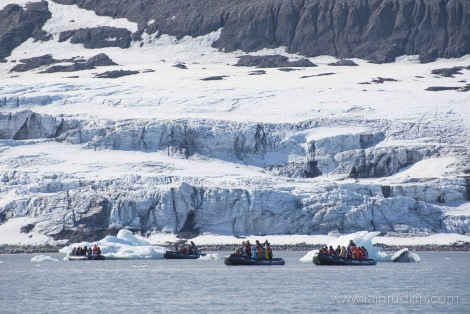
(165, 150)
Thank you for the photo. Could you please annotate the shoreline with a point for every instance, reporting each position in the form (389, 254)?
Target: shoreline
(457, 247)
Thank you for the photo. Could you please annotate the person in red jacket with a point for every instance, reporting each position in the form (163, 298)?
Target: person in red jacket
(95, 250)
(360, 253)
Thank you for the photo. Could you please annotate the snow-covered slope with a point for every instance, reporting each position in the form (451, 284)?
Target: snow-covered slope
(192, 143)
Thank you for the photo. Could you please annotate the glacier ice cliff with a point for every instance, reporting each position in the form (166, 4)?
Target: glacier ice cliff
(312, 149)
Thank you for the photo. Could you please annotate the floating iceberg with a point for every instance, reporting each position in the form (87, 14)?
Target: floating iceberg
(123, 246)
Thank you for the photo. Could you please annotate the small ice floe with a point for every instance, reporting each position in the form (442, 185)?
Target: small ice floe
(43, 258)
(405, 256)
(139, 266)
(210, 256)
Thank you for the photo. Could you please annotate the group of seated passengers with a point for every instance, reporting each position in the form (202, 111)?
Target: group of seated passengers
(352, 251)
(257, 251)
(190, 249)
(85, 251)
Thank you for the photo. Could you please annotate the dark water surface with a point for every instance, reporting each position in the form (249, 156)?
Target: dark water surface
(439, 283)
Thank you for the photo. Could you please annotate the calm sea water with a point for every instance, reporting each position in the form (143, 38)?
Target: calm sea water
(439, 283)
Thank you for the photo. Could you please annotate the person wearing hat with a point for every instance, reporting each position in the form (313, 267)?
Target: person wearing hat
(338, 250)
(351, 244)
(331, 251)
(248, 248)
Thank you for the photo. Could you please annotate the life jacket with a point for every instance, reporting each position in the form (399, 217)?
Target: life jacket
(355, 252)
(259, 252)
(270, 252)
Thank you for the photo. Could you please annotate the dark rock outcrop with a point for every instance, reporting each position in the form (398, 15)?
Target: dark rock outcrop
(343, 62)
(100, 60)
(116, 74)
(441, 88)
(181, 66)
(98, 37)
(272, 61)
(77, 64)
(257, 72)
(34, 63)
(17, 24)
(447, 72)
(214, 78)
(321, 74)
(380, 80)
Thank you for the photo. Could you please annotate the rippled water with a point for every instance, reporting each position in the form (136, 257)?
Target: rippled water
(439, 283)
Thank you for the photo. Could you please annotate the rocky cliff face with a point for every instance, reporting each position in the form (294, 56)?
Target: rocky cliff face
(375, 30)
